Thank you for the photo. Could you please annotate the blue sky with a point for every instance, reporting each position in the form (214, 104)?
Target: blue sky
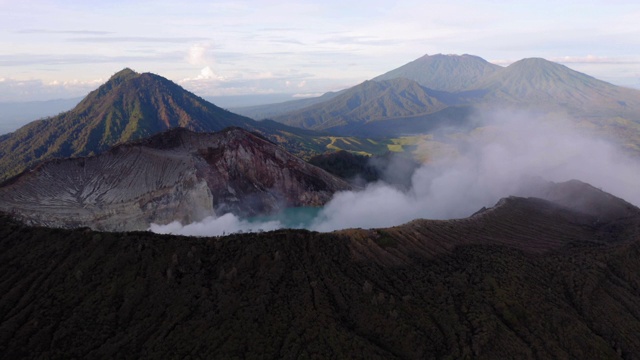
(57, 49)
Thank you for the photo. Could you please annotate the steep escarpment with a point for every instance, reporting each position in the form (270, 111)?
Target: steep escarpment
(178, 175)
(525, 279)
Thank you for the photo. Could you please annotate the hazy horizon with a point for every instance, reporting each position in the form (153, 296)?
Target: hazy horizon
(66, 49)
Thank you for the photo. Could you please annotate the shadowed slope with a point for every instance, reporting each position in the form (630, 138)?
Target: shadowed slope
(526, 279)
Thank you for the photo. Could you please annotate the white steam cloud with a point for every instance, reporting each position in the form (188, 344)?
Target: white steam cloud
(493, 162)
(215, 226)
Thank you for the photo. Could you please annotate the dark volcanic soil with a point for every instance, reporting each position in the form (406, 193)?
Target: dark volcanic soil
(527, 279)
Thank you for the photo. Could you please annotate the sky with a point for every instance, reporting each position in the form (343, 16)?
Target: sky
(62, 49)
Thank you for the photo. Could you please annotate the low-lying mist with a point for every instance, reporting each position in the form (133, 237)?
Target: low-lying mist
(493, 161)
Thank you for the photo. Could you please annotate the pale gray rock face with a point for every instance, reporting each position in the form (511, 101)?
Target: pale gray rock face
(178, 175)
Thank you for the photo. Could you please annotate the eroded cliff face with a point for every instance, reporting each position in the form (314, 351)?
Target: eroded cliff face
(178, 175)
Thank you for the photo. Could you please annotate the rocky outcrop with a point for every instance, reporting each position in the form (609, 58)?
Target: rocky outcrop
(177, 175)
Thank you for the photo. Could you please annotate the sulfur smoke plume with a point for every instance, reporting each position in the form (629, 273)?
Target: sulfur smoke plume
(493, 161)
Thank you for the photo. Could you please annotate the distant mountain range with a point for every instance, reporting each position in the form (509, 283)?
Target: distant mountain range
(540, 82)
(431, 84)
(417, 98)
(450, 73)
(131, 106)
(270, 111)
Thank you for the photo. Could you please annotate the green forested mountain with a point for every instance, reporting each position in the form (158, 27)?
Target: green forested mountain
(129, 106)
(132, 106)
(368, 102)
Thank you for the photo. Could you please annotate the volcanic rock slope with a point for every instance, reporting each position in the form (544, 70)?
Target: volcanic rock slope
(177, 175)
(525, 279)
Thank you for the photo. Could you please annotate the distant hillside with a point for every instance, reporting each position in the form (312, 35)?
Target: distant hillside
(270, 111)
(540, 82)
(13, 115)
(525, 279)
(444, 73)
(451, 73)
(543, 86)
(368, 102)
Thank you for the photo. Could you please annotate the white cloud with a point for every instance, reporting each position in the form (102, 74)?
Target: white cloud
(207, 74)
(36, 90)
(199, 54)
(215, 226)
(492, 163)
(265, 36)
(206, 77)
(309, 95)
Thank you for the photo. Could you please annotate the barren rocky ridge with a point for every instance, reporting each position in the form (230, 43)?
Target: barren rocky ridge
(177, 175)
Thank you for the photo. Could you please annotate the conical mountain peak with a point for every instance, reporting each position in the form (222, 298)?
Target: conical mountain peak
(124, 73)
(449, 73)
(537, 64)
(540, 75)
(129, 106)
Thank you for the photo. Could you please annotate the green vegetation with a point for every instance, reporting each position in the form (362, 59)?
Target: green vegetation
(368, 102)
(133, 106)
(129, 106)
(346, 165)
(393, 168)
